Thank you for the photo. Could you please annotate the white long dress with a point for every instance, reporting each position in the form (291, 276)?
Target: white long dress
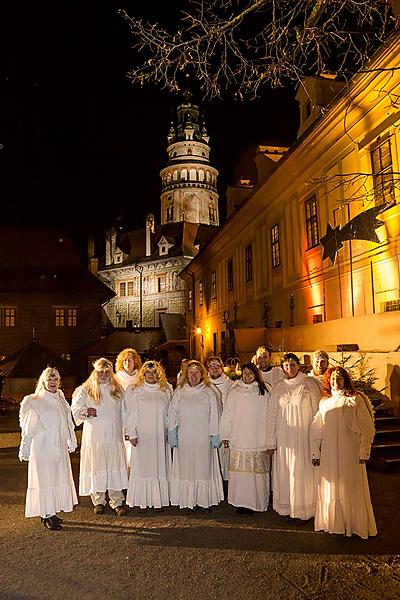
(103, 459)
(343, 431)
(244, 424)
(293, 405)
(127, 380)
(196, 477)
(223, 385)
(147, 419)
(46, 422)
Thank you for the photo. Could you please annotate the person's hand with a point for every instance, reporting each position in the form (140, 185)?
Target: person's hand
(91, 412)
(315, 462)
(270, 452)
(134, 441)
(225, 443)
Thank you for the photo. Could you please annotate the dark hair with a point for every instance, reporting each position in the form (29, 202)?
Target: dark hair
(347, 385)
(291, 356)
(256, 372)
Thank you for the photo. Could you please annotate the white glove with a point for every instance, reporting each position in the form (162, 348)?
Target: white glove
(25, 448)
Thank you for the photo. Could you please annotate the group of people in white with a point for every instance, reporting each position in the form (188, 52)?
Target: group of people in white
(302, 439)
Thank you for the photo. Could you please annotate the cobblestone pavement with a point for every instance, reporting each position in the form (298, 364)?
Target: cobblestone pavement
(174, 555)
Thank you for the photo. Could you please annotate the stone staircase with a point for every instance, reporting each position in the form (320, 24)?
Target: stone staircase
(385, 452)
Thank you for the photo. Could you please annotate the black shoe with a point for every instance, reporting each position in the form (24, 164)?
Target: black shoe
(301, 522)
(51, 523)
(206, 510)
(242, 510)
(58, 519)
(98, 509)
(120, 511)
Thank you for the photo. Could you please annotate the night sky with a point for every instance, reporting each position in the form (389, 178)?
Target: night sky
(81, 146)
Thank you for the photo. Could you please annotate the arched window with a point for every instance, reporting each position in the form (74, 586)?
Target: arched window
(193, 175)
(184, 175)
(201, 175)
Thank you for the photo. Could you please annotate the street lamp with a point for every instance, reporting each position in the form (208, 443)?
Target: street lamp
(139, 269)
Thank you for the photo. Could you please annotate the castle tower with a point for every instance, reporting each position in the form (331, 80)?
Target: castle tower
(189, 182)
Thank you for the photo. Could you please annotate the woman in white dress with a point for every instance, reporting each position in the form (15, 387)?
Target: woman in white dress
(193, 433)
(243, 429)
(97, 404)
(127, 365)
(343, 430)
(146, 424)
(292, 407)
(46, 438)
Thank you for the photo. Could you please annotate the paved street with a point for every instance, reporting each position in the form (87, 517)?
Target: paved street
(174, 555)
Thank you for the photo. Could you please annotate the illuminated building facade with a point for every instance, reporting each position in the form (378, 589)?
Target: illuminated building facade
(267, 278)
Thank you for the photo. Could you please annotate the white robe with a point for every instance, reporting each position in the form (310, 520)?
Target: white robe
(127, 380)
(272, 377)
(292, 407)
(244, 424)
(103, 459)
(46, 419)
(223, 385)
(147, 419)
(343, 431)
(196, 477)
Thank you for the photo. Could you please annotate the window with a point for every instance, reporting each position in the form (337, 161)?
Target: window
(248, 252)
(275, 246)
(130, 288)
(229, 271)
(212, 213)
(201, 295)
(72, 317)
(161, 283)
(312, 222)
(8, 316)
(170, 213)
(382, 171)
(66, 317)
(190, 300)
(122, 288)
(213, 285)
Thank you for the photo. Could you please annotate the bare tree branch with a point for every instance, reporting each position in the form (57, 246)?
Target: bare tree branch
(239, 46)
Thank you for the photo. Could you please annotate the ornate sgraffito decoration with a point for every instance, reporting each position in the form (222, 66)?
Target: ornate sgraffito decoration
(361, 227)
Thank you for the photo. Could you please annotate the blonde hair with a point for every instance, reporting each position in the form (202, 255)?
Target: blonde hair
(161, 376)
(123, 355)
(92, 383)
(44, 376)
(183, 378)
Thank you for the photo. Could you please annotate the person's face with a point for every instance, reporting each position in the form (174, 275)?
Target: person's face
(150, 374)
(194, 376)
(263, 360)
(104, 375)
(248, 375)
(52, 382)
(320, 365)
(291, 368)
(215, 369)
(336, 381)
(129, 364)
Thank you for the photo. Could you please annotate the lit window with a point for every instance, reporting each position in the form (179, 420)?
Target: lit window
(229, 271)
(122, 288)
(66, 317)
(275, 246)
(130, 288)
(249, 263)
(201, 298)
(59, 315)
(312, 222)
(382, 172)
(72, 317)
(161, 283)
(213, 285)
(8, 317)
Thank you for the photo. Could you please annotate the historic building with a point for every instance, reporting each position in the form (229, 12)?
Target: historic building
(142, 266)
(309, 258)
(47, 296)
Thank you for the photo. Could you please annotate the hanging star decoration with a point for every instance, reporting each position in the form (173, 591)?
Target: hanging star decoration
(361, 227)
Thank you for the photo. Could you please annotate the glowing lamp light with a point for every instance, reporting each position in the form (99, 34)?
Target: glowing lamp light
(198, 330)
